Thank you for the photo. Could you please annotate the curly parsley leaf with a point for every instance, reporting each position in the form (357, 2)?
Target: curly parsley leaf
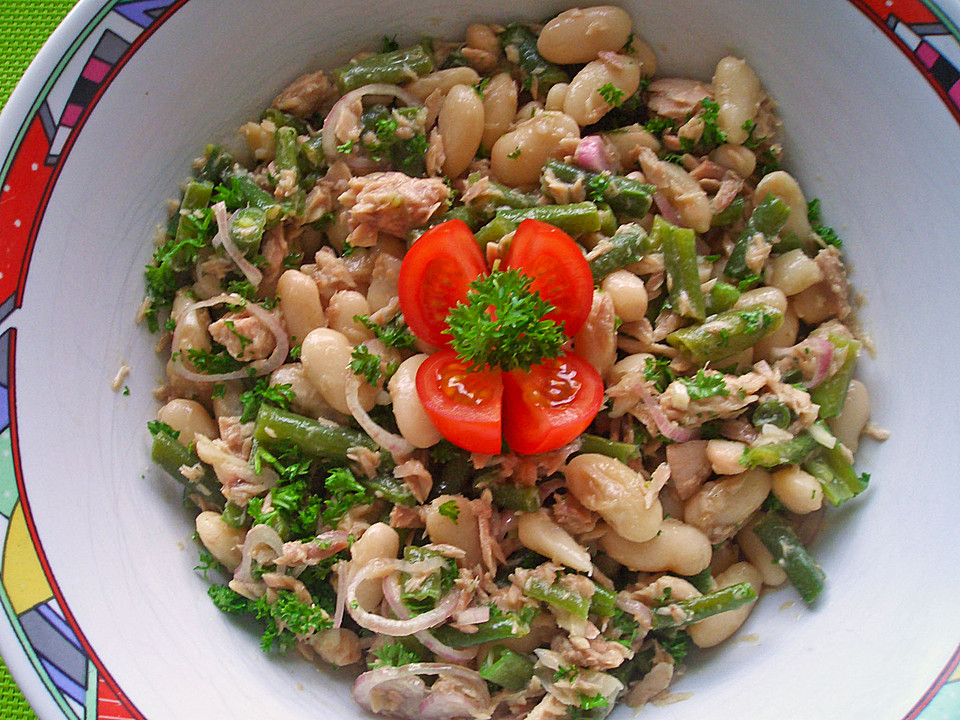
(450, 509)
(611, 94)
(345, 493)
(393, 654)
(675, 642)
(280, 396)
(657, 370)
(703, 385)
(827, 234)
(370, 366)
(597, 186)
(393, 334)
(286, 618)
(503, 324)
(158, 427)
(228, 601)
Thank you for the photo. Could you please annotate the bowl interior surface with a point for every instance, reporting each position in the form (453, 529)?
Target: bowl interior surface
(863, 131)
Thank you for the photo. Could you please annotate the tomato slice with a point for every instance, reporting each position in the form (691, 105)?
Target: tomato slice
(435, 275)
(551, 405)
(560, 272)
(465, 406)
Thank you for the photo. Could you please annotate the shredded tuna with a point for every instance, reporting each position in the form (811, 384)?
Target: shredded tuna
(571, 515)
(244, 336)
(331, 274)
(677, 98)
(238, 436)
(416, 477)
(393, 202)
(305, 95)
(741, 389)
(689, 466)
(275, 248)
(599, 653)
(405, 517)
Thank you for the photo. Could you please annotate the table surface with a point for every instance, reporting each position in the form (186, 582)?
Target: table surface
(24, 26)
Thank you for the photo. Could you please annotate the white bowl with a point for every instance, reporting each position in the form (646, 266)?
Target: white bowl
(104, 616)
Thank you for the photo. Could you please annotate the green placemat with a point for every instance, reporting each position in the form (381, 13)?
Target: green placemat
(24, 27)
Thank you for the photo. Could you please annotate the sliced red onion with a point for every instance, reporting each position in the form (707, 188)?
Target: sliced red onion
(381, 568)
(256, 536)
(329, 140)
(449, 704)
(254, 369)
(343, 579)
(391, 592)
(667, 427)
(824, 351)
(636, 608)
(667, 210)
(402, 686)
(472, 615)
(591, 154)
(394, 444)
(250, 272)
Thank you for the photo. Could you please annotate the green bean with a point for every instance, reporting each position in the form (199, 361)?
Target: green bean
(730, 214)
(771, 412)
(788, 552)
(252, 195)
(500, 196)
(608, 220)
(216, 165)
(513, 497)
(831, 394)
(392, 68)
(558, 596)
(281, 119)
(726, 333)
(538, 74)
(391, 489)
(502, 627)
(768, 218)
(603, 602)
(574, 219)
(286, 150)
(679, 247)
(235, 516)
(785, 452)
(171, 455)
(471, 216)
(692, 610)
(311, 151)
(624, 452)
(722, 296)
(627, 246)
(196, 197)
(275, 426)
(506, 668)
(246, 229)
(623, 194)
(702, 581)
(836, 475)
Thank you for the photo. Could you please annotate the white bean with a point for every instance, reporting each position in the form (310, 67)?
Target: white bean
(782, 185)
(299, 300)
(499, 107)
(537, 532)
(383, 284)
(783, 336)
(225, 543)
(738, 94)
(794, 271)
(848, 425)
(415, 425)
(555, 96)
(343, 307)
(596, 340)
(799, 491)
(584, 101)
(442, 80)
(735, 157)
(189, 418)
(326, 356)
(767, 295)
(518, 156)
(724, 456)
(464, 532)
(193, 327)
(644, 55)
(678, 548)
(307, 400)
(607, 486)
(578, 35)
(337, 646)
(482, 37)
(629, 295)
(720, 507)
(460, 123)
(758, 555)
(628, 141)
(714, 630)
(378, 541)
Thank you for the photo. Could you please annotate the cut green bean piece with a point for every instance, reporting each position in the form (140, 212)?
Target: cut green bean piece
(767, 218)
(622, 194)
(392, 68)
(836, 475)
(171, 455)
(679, 247)
(731, 213)
(624, 452)
(790, 554)
(216, 165)
(692, 610)
(253, 195)
(499, 195)
(312, 152)
(246, 229)
(494, 231)
(722, 296)
(574, 219)
(538, 74)
(627, 246)
(286, 150)
(506, 668)
(472, 217)
(726, 333)
(558, 596)
(390, 488)
(785, 452)
(771, 412)
(196, 198)
(281, 119)
(502, 627)
(831, 394)
(608, 220)
(275, 426)
(235, 516)
(603, 602)
(514, 497)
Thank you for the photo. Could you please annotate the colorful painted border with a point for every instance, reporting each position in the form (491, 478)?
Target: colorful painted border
(63, 659)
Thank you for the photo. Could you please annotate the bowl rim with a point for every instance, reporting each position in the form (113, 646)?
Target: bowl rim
(35, 142)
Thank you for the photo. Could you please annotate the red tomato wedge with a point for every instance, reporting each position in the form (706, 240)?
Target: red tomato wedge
(465, 406)
(551, 405)
(435, 275)
(560, 272)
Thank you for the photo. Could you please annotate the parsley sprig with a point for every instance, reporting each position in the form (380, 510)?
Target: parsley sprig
(503, 324)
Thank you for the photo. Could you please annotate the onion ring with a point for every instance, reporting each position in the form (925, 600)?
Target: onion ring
(250, 272)
(329, 140)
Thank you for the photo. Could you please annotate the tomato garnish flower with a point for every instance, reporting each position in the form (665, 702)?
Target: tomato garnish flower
(501, 373)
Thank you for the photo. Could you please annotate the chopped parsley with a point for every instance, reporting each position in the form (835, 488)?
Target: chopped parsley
(389, 44)
(158, 427)
(280, 396)
(369, 366)
(588, 702)
(514, 155)
(346, 147)
(827, 234)
(597, 186)
(566, 672)
(345, 493)
(703, 386)
(450, 509)
(675, 642)
(611, 94)
(213, 363)
(503, 324)
(657, 370)
(481, 87)
(658, 125)
(393, 334)
(229, 601)
(286, 618)
(712, 134)
(393, 654)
